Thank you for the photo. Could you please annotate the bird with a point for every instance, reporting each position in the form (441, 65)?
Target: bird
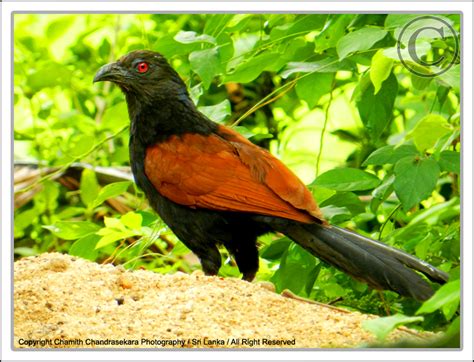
(213, 187)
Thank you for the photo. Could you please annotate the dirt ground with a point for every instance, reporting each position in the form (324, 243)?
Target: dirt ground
(62, 301)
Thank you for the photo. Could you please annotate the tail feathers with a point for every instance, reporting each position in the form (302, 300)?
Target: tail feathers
(374, 263)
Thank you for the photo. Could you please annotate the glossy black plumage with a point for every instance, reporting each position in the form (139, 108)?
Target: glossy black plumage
(177, 154)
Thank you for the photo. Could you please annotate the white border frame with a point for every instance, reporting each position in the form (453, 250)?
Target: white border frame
(208, 7)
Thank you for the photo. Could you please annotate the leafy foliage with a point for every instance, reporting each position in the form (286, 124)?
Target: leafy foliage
(378, 145)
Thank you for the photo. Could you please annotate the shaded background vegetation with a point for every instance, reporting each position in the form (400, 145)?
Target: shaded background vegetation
(378, 146)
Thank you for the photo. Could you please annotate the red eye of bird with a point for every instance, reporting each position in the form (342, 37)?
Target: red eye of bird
(142, 67)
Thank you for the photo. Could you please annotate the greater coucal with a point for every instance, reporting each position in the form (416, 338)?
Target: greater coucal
(212, 186)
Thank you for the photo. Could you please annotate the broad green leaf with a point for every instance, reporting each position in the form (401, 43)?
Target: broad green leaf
(415, 179)
(215, 23)
(334, 290)
(381, 327)
(395, 53)
(59, 27)
(206, 63)
(112, 236)
(218, 112)
(85, 247)
(250, 69)
(334, 29)
(295, 261)
(326, 65)
(275, 250)
(450, 161)
(451, 78)
(446, 141)
(380, 69)
(89, 187)
(132, 220)
(376, 109)
(115, 117)
(300, 26)
(347, 179)
(111, 190)
(312, 87)
(72, 230)
(393, 21)
(335, 214)
(359, 40)
(448, 293)
(389, 154)
(428, 130)
(348, 200)
(170, 47)
(188, 37)
(420, 82)
(382, 192)
(79, 145)
(49, 75)
(22, 220)
(432, 29)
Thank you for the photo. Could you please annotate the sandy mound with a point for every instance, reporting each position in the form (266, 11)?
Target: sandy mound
(64, 301)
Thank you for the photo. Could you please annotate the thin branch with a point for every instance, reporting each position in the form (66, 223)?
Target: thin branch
(323, 131)
(388, 219)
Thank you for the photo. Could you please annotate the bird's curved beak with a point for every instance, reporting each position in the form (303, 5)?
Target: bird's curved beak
(112, 72)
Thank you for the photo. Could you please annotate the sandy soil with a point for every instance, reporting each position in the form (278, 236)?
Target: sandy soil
(67, 302)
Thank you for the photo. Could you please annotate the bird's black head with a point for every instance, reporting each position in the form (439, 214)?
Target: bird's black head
(143, 74)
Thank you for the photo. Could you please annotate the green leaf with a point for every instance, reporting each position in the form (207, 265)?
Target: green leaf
(111, 190)
(112, 236)
(218, 112)
(206, 63)
(49, 75)
(59, 27)
(132, 220)
(301, 25)
(415, 180)
(216, 23)
(326, 65)
(382, 192)
(359, 40)
(451, 78)
(295, 261)
(334, 29)
(376, 109)
(450, 161)
(448, 293)
(188, 37)
(115, 117)
(335, 214)
(380, 69)
(312, 87)
(393, 21)
(347, 200)
(381, 327)
(389, 154)
(275, 250)
(428, 130)
(85, 247)
(250, 69)
(347, 179)
(432, 29)
(334, 290)
(72, 230)
(89, 187)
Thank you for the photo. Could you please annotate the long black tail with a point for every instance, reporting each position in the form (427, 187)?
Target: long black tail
(367, 260)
